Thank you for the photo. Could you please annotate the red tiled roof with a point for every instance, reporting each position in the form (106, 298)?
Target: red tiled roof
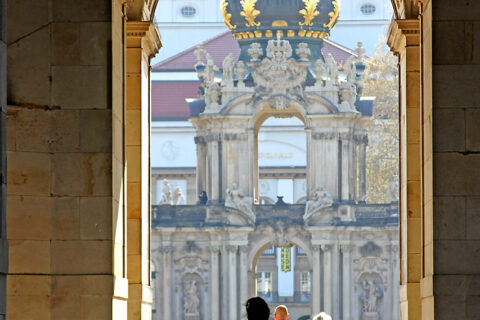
(219, 47)
(168, 98)
(224, 43)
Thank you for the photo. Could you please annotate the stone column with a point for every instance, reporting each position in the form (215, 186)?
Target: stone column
(311, 164)
(316, 280)
(167, 281)
(362, 159)
(345, 174)
(346, 282)
(232, 282)
(214, 283)
(327, 278)
(243, 275)
(201, 164)
(336, 282)
(214, 172)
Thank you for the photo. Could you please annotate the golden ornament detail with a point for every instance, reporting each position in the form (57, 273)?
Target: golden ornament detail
(250, 13)
(226, 16)
(333, 14)
(309, 12)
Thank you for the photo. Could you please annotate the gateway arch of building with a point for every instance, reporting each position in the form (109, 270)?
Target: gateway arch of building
(205, 256)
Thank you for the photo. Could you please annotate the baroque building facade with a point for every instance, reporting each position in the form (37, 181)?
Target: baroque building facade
(207, 256)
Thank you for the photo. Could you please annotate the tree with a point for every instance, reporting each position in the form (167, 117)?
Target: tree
(381, 81)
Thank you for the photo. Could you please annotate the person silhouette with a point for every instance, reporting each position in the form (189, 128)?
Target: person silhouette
(257, 309)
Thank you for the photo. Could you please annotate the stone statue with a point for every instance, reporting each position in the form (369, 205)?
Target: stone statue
(321, 198)
(303, 51)
(319, 69)
(240, 72)
(360, 51)
(166, 193)
(350, 70)
(236, 199)
(371, 293)
(178, 197)
(200, 53)
(212, 97)
(255, 51)
(332, 69)
(191, 302)
(209, 71)
(228, 64)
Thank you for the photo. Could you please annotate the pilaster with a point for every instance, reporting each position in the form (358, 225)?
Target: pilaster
(327, 278)
(232, 282)
(143, 43)
(404, 40)
(214, 282)
(347, 283)
(316, 280)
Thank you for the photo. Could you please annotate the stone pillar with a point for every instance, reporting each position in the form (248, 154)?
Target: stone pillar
(232, 282)
(316, 280)
(243, 275)
(311, 164)
(345, 174)
(167, 281)
(327, 278)
(143, 42)
(404, 40)
(214, 167)
(362, 161)
(214, 283)
(201, 164)
(336, 282)
(347, 283)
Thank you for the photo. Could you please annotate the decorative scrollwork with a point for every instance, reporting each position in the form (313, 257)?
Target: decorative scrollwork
(227, 17)
(250, 13)
(333, 14)
(309, 12)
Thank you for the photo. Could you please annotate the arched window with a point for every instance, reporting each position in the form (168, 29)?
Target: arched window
(188, 11)
(368, 9)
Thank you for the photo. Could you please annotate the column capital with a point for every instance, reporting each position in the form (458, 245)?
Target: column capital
(214, 249)
(327, 247)
(143, 34)
(403, 32)
(346, 248)
(166, 249)
(316, 248)
(232, 248)
(243, 249)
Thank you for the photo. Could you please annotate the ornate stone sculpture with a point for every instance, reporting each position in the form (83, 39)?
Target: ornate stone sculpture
(191, 302)
(371, 294)
(255, 51)
(360, 51)
(321, 198)
(212, 97)
(228, 64)
(236, 199)
(350, 70)
(178, 197)
(332, 69)
(166, 193)
(200, 53)
(303, 51)
(210, 71)
(319, 69)
(279, 76)
(240, 72)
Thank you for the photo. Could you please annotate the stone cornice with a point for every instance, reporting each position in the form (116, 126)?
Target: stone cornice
(403, 32)
(143, 34)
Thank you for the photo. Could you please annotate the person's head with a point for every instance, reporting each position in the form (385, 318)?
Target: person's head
(281, 313)
(322, 316)
(257, 309)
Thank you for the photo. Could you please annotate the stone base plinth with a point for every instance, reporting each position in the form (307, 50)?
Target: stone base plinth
(370, 316)
(192, 316)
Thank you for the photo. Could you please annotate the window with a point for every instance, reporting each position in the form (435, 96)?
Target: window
(264, 285)
(188, 11)
(368, 9)
(305, 285)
